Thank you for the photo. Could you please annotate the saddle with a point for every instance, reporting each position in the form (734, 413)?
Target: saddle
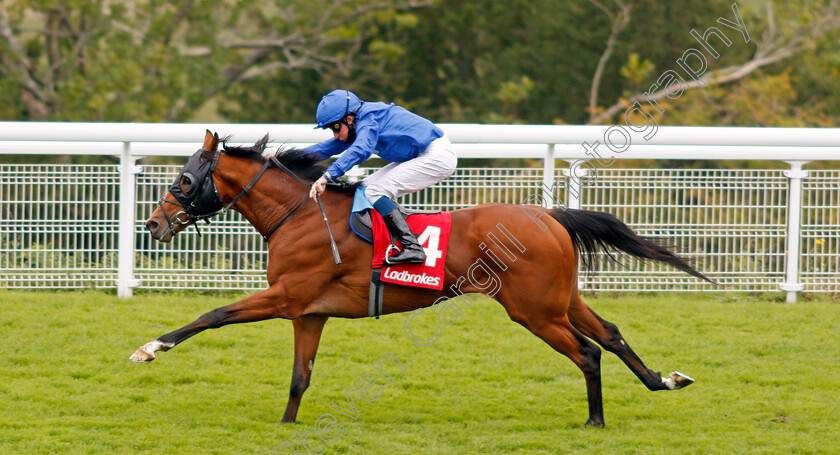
(361, 223)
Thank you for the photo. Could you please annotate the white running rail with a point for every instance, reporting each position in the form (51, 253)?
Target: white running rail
(77, 225)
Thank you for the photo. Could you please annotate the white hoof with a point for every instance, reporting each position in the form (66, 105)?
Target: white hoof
(146, 353)
(141, 356)
(677, 381)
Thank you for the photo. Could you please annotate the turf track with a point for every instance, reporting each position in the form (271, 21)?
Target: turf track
(768, 381)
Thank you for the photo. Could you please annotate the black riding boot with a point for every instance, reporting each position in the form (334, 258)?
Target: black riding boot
(412, 251)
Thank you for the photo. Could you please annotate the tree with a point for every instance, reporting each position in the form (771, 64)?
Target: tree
(145, 60)
(530, 61)
(803, 28)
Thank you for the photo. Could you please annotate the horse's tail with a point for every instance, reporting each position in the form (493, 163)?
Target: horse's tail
(598, 231)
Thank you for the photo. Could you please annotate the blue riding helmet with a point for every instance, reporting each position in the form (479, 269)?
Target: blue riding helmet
(335, 105)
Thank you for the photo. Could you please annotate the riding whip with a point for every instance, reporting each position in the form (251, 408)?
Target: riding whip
(334, 247)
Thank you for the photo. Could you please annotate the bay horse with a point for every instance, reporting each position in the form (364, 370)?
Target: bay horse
(539, 289)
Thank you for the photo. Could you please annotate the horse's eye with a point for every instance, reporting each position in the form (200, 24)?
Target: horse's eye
(186, 184)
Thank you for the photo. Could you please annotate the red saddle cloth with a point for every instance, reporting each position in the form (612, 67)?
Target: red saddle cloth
(433, 237)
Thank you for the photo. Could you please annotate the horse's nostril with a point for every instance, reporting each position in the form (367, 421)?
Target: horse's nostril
(151, 226)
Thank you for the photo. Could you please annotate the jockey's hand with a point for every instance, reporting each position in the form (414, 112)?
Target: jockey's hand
(318, 187)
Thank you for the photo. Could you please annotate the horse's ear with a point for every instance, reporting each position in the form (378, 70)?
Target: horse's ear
(211, 141)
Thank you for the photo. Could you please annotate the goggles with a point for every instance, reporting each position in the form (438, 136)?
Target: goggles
(335, 126)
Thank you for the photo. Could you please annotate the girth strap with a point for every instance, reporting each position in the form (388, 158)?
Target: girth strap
(376, 294)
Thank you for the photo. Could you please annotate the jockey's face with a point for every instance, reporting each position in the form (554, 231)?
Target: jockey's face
(344, 133)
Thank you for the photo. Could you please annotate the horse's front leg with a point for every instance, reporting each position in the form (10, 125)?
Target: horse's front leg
(263, 305)
(307, 336)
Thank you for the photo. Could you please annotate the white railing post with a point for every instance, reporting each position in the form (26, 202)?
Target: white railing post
(548, 177)
(574, 188)
(792, 285)
(128, 204)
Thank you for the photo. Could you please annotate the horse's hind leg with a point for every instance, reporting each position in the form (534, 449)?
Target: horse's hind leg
(307, 336)
(559, 333)
(607, 335)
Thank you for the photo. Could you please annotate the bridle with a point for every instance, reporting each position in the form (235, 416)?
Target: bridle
(191, 204)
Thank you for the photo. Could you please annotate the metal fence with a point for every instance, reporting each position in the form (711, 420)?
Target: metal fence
(733, 221)
(820, 242)
(63, 226)
(58, 226)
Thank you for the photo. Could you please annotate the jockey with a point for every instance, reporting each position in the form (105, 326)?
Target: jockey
(420, 155)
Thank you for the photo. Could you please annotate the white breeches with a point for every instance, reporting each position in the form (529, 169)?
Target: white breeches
(435, 164)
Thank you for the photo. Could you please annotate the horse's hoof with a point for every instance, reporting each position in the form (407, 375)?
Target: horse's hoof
(679, 381)
(594, 423)
(146, 353)
(141, 356)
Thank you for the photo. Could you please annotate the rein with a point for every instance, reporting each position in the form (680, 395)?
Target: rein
(206, 217)
(273, 159)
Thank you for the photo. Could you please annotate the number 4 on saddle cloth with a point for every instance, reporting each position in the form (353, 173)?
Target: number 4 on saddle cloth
(433, 229)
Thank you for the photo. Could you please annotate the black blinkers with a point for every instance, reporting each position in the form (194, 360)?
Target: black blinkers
(196, 177)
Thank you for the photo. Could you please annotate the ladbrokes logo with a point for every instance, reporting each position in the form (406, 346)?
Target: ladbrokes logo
(407, 277)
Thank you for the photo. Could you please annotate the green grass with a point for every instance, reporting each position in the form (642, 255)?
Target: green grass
(768, 380)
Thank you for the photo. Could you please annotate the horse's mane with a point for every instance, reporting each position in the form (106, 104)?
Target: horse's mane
(300, 162)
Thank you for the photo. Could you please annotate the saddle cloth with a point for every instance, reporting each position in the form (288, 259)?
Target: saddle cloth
(433, 229)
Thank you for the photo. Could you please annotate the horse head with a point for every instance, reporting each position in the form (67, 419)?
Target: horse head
(201, 191)
(192, 196)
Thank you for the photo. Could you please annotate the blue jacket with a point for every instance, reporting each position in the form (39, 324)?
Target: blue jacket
(390, 131)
